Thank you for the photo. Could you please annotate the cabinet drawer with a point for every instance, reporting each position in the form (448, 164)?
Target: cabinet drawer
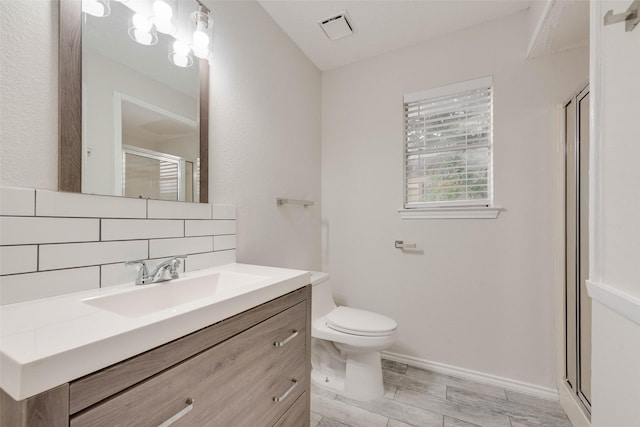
(231, 384)
(298, 414)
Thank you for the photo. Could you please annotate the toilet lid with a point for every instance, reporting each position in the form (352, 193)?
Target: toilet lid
(360, 322)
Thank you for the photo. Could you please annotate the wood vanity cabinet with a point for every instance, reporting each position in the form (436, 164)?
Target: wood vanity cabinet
(249, 370)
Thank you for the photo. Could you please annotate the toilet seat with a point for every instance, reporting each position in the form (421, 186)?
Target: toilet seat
(360, 322)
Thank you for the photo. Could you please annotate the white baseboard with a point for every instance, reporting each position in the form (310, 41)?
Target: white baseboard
(481, 377)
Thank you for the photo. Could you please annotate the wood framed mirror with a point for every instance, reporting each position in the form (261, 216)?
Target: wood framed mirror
(71, 151)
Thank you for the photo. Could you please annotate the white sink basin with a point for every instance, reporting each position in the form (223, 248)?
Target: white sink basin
(149, 299)
(51, 341)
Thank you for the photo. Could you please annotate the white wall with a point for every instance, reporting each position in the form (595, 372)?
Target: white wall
(481, 294)
(615, 230)
(264, 123)
(29, 93)
(265, 136)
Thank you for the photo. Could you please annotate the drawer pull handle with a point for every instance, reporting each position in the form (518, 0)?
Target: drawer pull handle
(286, 393)
(289, 338)
(179, 415)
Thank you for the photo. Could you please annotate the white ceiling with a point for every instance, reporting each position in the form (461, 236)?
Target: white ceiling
(380, 25)
(566, 25)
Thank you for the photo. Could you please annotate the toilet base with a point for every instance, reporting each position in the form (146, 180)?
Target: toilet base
(360, 379)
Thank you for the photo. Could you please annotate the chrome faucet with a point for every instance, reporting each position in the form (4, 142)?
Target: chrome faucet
(157, 275)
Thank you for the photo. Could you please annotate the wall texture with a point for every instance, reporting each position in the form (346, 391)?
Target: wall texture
(29, 93)
(614, 229)
(480, 293)
(265, 136)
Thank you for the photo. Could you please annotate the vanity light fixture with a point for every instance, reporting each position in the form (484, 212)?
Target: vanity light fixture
(164, 17)
(98, 8)
(142, 30)
(203, 33)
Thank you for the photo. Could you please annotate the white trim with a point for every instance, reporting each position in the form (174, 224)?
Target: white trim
(540, 25)
(83, 137)
(475, 212)
(596, 205)
(438, 92)
(117, 144)
(622, 303)
(559, 264)
(481, 377)
(572, 407)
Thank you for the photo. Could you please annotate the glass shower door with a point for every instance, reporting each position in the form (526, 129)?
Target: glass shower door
(150, 178)
(153, 175)
(577, 301)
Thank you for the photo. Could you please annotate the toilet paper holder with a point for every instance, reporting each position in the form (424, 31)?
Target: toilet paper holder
(401, 245)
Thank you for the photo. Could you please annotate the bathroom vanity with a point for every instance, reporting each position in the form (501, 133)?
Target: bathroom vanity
(247, 369)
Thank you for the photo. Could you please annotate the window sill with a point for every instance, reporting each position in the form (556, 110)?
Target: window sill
(475, 212)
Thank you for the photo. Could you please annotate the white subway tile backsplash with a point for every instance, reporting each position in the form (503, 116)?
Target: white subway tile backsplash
(117, 274)
(210, 259)
(25, 230)
(68, 255)
(178, 210)
(224, 212)
(208, 228)
(51, 203)
(184, 246)
(25, 287)
(130, 229)
(54, 243)
(17, 201)
(18, 259)
(221, 243)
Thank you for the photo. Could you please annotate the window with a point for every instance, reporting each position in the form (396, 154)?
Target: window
(447, 146)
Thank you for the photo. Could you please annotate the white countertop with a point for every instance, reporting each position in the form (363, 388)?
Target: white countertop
(51, 341)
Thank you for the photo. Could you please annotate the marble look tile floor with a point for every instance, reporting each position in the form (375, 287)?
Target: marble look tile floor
(416, 398)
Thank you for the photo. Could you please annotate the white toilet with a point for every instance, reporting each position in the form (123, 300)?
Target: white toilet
(346, 344)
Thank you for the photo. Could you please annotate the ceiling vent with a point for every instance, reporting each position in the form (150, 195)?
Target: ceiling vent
(338, 26)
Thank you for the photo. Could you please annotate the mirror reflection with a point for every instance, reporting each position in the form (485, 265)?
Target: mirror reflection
(140, 103)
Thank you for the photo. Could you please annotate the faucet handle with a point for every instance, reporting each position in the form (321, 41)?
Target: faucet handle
(174, 263)
(141, 267)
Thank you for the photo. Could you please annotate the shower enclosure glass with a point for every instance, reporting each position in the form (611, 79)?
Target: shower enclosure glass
(577, 301)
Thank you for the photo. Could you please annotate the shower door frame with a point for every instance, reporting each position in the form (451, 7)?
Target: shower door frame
(574, 122)
(164, 157)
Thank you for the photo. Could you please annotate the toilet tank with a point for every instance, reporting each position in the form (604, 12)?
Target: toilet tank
(321, 294)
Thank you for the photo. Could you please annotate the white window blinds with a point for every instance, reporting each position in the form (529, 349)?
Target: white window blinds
(447, 146)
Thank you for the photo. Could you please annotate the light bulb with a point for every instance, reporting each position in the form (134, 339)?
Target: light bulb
(95, 8)
(200, 51)
(162, 10)
(143, 37)
(181, 48)
(142, 30)
(140, 22)
(180, 60)
(180, 54)
(200, 38)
